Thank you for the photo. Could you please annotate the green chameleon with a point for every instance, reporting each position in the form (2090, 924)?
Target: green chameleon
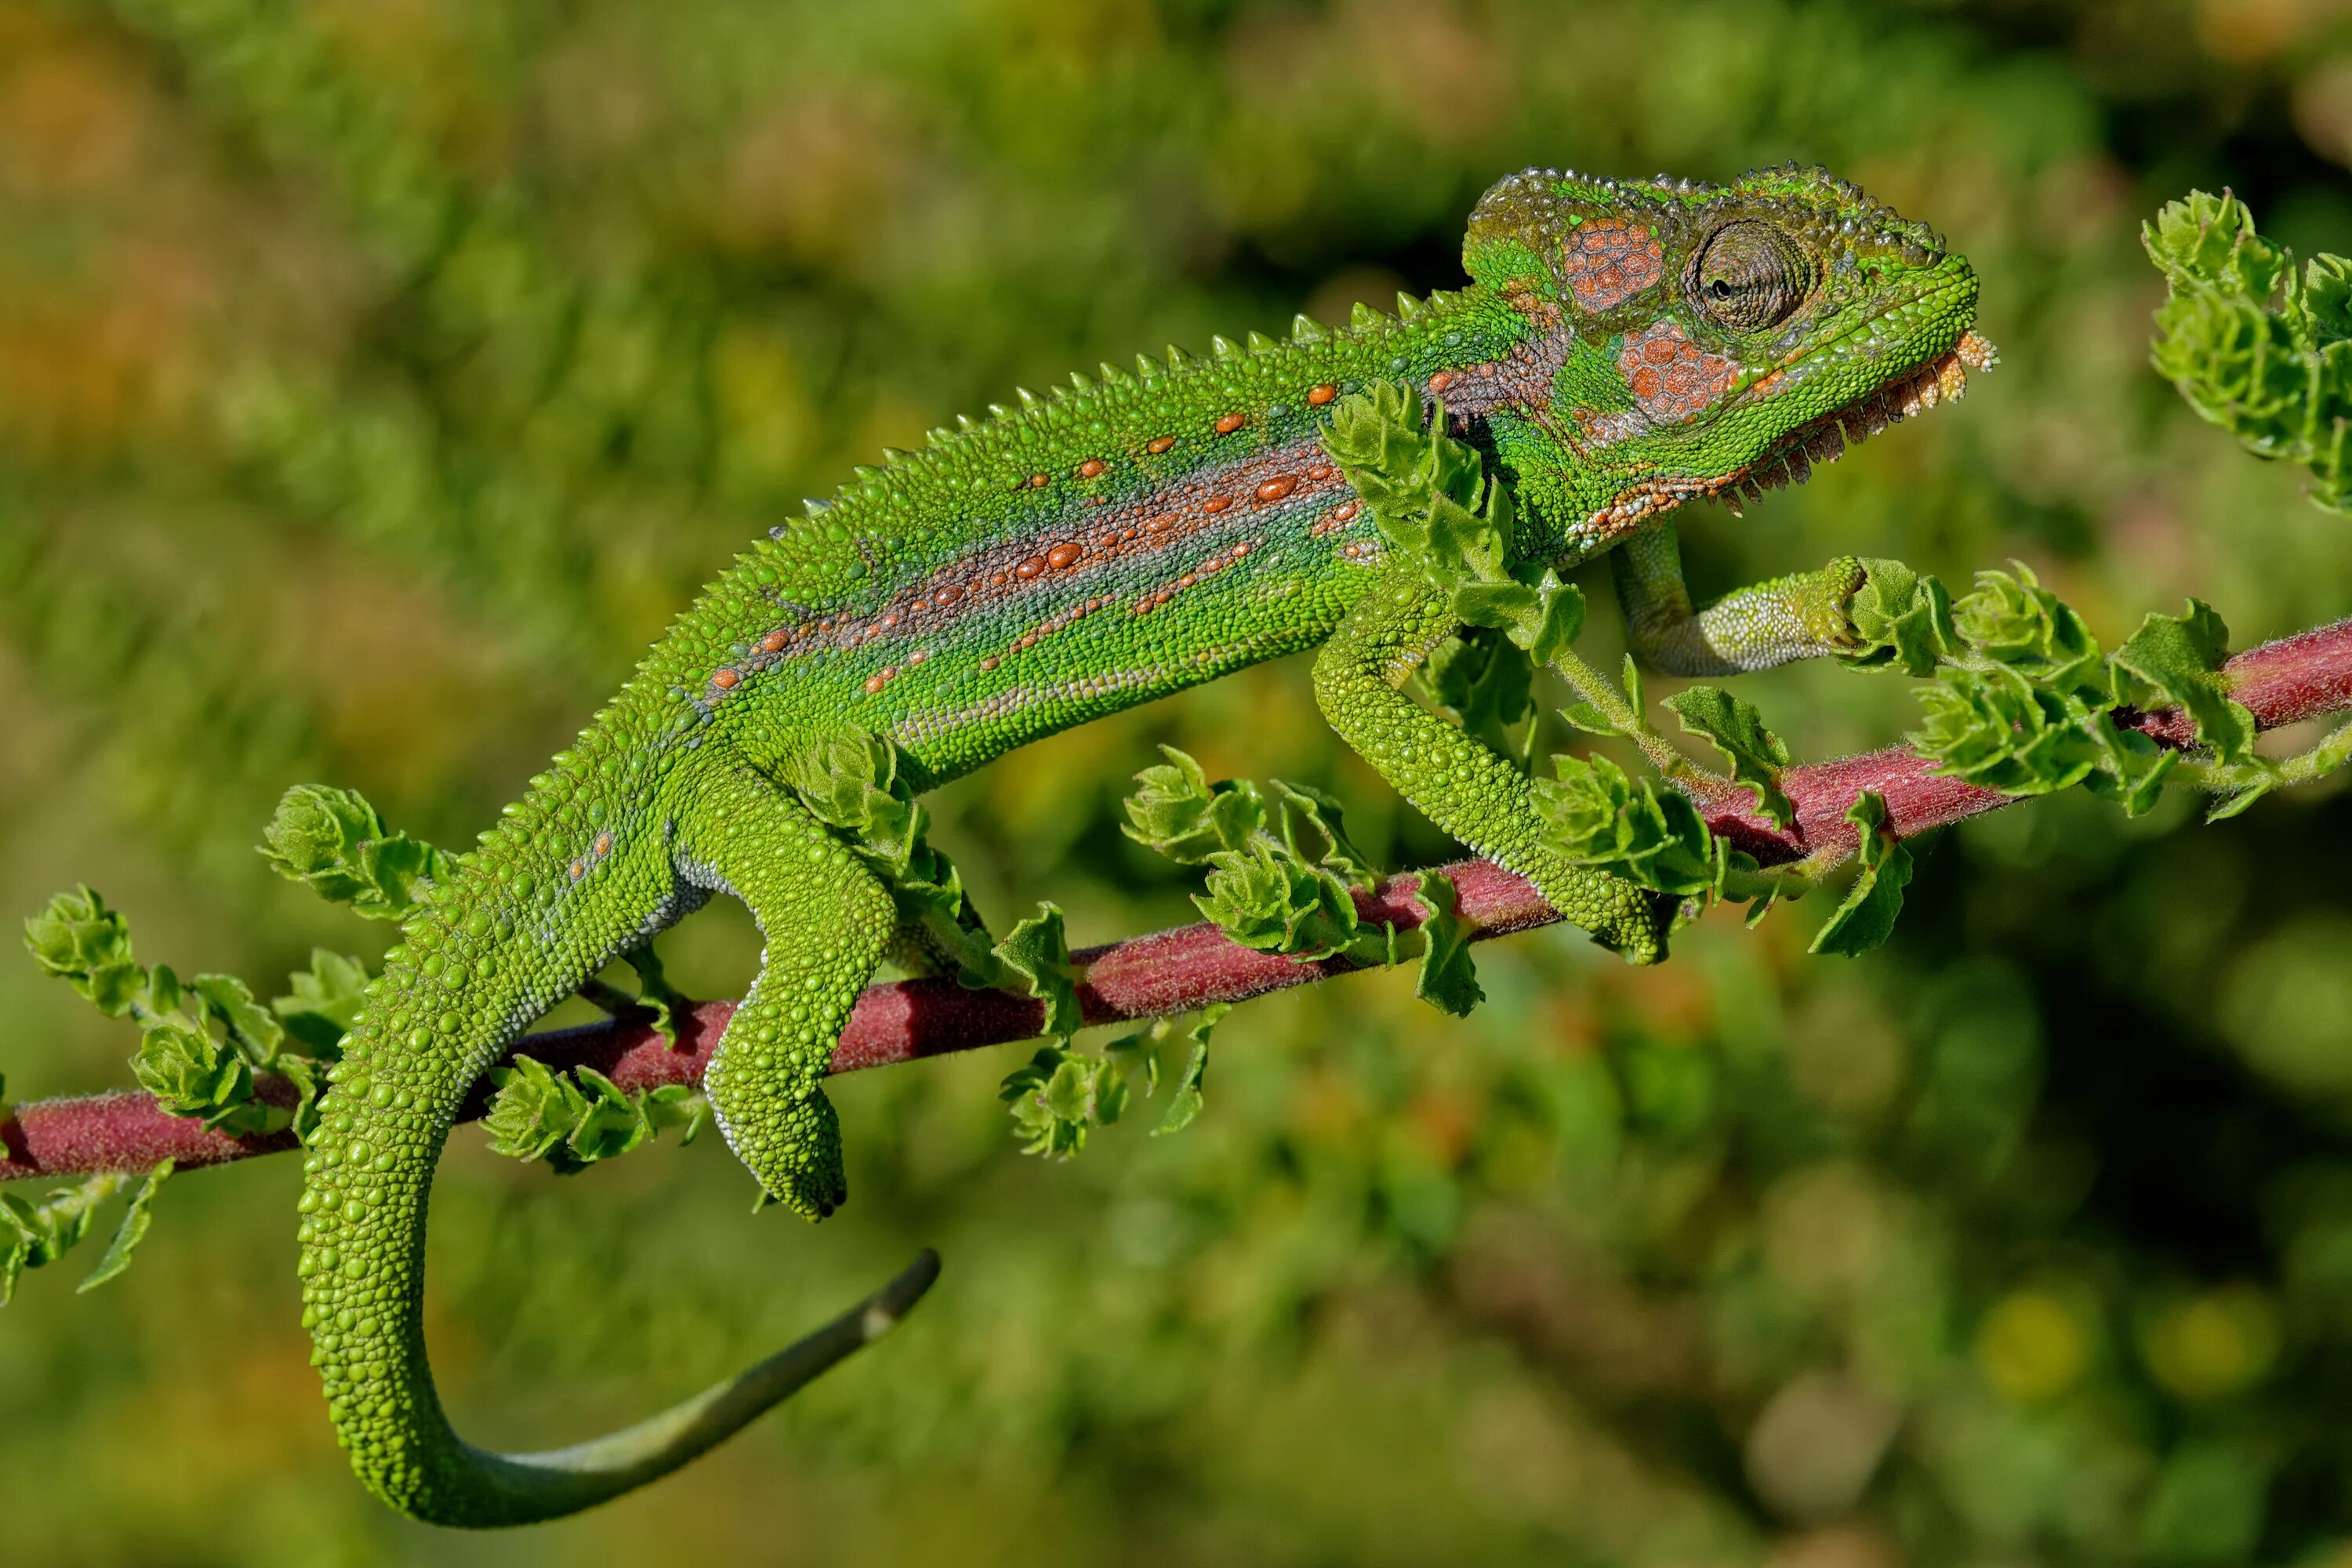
(1624, 347)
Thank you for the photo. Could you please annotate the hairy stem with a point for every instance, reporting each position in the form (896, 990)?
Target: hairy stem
(2301, 676)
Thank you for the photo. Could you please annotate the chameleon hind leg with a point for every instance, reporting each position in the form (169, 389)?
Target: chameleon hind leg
(1756, 628)
(1456, 780)
(827, 921)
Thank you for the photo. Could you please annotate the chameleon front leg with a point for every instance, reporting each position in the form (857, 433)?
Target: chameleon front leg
(1756, 628)
(1457, 781)
(827, 921)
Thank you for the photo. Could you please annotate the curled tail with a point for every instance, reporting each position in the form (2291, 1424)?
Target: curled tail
(485, 958)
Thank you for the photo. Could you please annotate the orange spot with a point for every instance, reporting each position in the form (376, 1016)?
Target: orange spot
(1229, 423)
(774, 642)
(889, 672)
(603, 844)
(1063, 555)
(578, 871)
(1275, 489)
(724, 679)
(1316, 396)
(999, 580)
(890, 620)
(917, 656)
(1038, 481)
(946, 596)
(1659, 350)
(1345, 511)
(1031, 567)
(1441, 380)
(1161, 523)
(1320, 472)
(1091, 468)
(989, 663)
(1159, 444)
(873, 684)
(1645, 383)
(1216, 503)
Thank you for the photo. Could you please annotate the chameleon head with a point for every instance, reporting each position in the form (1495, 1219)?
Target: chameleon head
(1713, 340)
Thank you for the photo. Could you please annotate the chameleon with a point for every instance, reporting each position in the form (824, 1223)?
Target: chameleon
(1623, 348)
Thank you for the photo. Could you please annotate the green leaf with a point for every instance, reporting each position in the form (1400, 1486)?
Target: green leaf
(1599, 818)
(1867, 917)
(335, 843)
(1904, 619)
(1052, 1097)
(657, 995)
(611, 1123)
(2326, 300)
(252, 1028)
(309, 1077)
(2178, 659)
(2011, 619)
(1448, 979)
(1996, 728)
(1484, 680)
(34, 1235)
(1736, 729)
(573, 1119)
(130, 1231)
(326, 998)
(1429, 495)
(1037, 952)
(535, 1110)
(1590, 719)
(78, 939)
(2252, 346)
(190, 1073)
(1304, 810)
(2210, 241)
(1267, 897)
(1184, 1105)
(1175, 810)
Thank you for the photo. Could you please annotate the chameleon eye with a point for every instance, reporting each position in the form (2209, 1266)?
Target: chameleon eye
(1749, 276)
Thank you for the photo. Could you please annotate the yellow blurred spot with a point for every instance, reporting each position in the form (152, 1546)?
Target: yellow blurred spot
(2245, 31)
(2031, 1347)
(2211, 1345)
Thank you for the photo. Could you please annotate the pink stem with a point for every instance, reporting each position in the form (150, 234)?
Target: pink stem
(2300, 676)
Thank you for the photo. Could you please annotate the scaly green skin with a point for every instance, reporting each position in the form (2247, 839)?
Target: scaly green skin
(1620, 351)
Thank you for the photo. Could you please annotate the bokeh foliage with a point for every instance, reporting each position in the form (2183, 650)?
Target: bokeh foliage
(376, 378)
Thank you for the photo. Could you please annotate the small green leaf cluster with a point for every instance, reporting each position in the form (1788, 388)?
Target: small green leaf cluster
(203, 1040)
(1060, 1094)
(36, 1235)
(2025, 700)
(2255, 346)
(862, 786)
(1430, 495)
(573, 1120)
(859, 784)
(1284, 874)
(334, 842)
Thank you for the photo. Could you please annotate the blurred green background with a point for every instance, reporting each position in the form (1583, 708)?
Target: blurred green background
(376, 378)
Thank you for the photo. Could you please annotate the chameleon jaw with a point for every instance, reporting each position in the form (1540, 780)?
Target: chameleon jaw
(1791, 458)
(1826, 439)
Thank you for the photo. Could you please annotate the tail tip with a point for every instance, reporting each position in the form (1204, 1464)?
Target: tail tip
(896, 1299)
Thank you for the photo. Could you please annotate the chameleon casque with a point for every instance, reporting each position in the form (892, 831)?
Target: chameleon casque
(1624, 347)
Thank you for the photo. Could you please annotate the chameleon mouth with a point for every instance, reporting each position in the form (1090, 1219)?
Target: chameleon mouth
(1824, 440)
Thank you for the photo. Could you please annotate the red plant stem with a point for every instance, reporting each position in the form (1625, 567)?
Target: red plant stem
(2300, 676)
